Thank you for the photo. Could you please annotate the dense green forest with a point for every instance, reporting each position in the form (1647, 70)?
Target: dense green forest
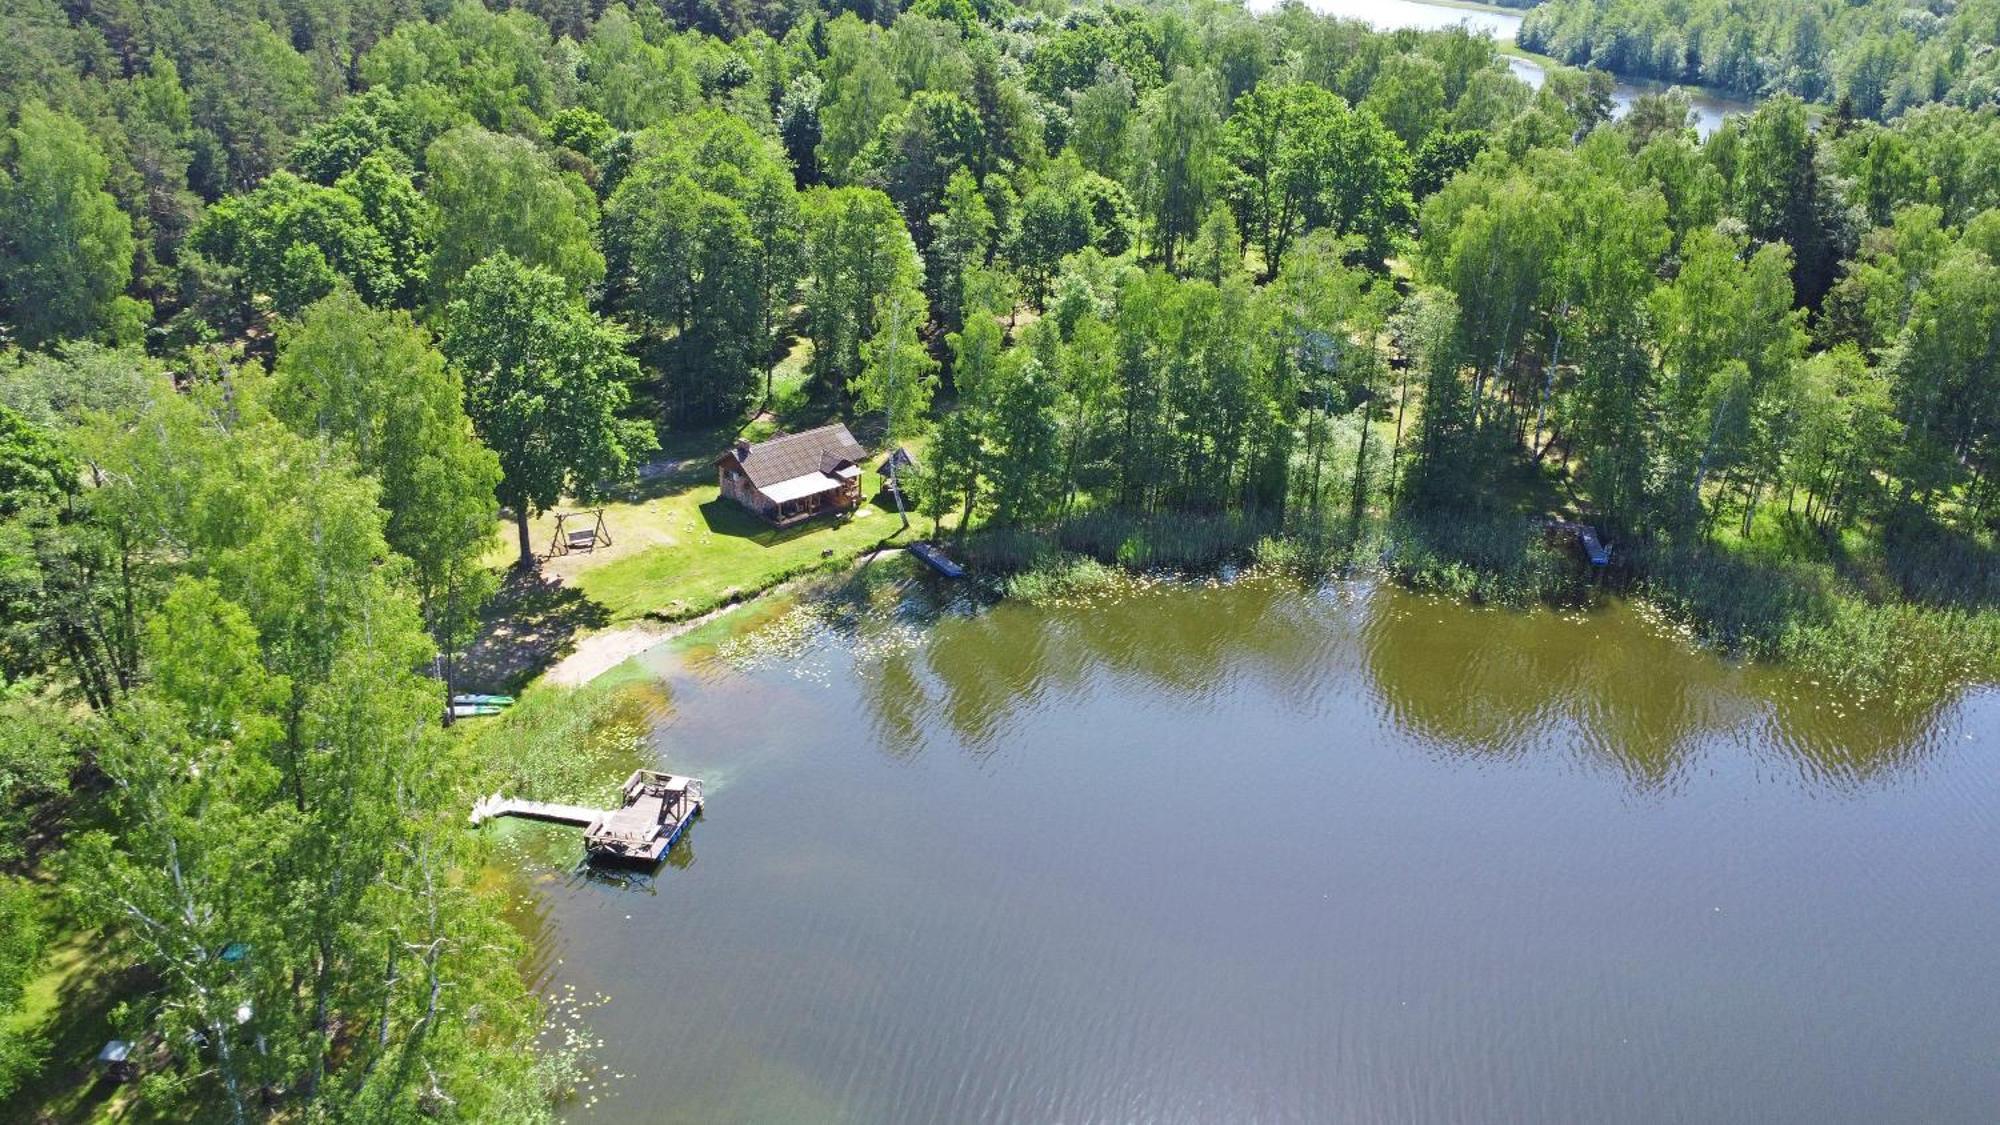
(1872, 58)
(300, 298)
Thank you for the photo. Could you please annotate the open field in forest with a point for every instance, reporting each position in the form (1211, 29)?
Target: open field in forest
(686, 551)
(679, 550)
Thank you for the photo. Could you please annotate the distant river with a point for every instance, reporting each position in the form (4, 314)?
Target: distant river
(1388, 15)
(1257, 853)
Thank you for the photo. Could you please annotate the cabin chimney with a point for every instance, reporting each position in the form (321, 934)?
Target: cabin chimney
(742, 450)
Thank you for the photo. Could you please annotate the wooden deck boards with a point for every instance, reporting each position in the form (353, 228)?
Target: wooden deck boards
(657, 809)
(496, 805)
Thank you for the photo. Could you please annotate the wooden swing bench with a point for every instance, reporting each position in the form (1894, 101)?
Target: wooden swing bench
(584, 540)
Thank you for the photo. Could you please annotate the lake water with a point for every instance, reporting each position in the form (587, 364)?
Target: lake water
(1207, 853)
(1389, 15)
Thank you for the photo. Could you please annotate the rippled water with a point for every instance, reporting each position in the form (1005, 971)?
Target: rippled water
(1250, 853)
(1390, 15)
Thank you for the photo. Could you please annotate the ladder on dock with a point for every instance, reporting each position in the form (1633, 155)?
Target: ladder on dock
(546, 811)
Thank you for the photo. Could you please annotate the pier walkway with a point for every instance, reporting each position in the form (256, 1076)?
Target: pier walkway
(496, 805)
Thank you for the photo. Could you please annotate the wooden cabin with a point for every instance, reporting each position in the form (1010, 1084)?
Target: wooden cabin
(792, 478)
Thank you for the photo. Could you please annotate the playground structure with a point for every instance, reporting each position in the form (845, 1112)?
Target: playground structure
(579, 539)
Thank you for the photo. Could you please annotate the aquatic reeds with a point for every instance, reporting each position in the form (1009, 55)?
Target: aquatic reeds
(1491, 559)
(564, 744)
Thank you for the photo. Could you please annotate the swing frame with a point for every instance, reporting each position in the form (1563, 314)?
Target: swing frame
(586, 541)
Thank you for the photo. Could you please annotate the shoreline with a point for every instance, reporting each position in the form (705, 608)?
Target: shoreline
(600, 653)
(1402, 556)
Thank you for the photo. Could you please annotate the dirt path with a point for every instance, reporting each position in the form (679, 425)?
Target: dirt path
(599, 653)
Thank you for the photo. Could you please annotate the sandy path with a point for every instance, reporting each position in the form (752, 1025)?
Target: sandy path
(599, 653)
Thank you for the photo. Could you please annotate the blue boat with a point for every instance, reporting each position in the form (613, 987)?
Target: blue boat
(936, 559)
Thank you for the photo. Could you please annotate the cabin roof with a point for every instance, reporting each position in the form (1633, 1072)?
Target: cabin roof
(807, 453)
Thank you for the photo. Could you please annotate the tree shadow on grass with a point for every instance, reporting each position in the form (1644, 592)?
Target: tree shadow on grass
(726, 517)
(1940, 565)
(69, 1087)
(531, 623)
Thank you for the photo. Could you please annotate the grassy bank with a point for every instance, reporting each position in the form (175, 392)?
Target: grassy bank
(1916, 622)
(678, 550)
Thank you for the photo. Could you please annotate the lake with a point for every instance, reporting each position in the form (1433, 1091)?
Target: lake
(1200, 852)
(1389, 15)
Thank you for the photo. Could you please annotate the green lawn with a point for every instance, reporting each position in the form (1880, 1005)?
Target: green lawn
(678, 550)
(72, 999)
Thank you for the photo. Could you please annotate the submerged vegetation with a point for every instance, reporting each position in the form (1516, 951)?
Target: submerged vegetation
(313, 311)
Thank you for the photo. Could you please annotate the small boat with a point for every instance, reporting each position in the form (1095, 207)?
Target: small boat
(1585, 536)
(475, 710)
(483, 700)
(936, 559)
(657, 809)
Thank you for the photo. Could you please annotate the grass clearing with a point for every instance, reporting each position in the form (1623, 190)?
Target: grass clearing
(679, 550)
(71, 1002)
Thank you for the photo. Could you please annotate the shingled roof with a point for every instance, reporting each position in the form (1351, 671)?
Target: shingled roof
(796, 455)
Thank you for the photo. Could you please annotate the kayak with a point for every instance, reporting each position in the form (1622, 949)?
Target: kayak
(482, 700)
(474, 710)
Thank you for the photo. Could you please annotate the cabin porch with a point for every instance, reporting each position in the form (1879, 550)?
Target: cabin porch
(795, 501)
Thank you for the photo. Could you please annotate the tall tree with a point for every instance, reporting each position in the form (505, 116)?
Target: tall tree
(499, 194)
(1783, 193)
(860, 91)
(292, 242)
(1729, 340)
(1302, 160)
(403, 219)
(372, 382)
(546, 383)
(898, 376)
(962, 238)
(857, 251)
(65, 247)
(689, 267)
(1177, 165)
(917, 151)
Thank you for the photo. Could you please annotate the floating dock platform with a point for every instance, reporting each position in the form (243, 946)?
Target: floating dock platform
(656, 812)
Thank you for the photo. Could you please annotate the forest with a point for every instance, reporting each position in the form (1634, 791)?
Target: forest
(307, 304)
(1872, 59)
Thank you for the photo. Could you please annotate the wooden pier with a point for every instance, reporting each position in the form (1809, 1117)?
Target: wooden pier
(496, 806)
(657, 809)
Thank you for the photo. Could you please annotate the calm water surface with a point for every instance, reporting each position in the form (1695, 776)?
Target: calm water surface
(1253, 853)
(1390, 15)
